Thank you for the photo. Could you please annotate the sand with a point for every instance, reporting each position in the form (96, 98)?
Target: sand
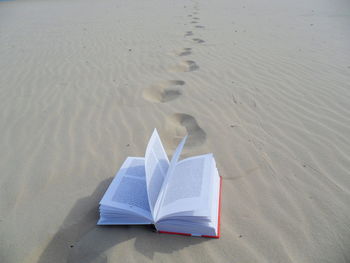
(264, 85)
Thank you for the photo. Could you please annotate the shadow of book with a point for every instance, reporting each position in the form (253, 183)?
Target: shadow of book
(80, 240)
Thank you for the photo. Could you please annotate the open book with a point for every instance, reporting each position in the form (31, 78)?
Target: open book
(178, 197)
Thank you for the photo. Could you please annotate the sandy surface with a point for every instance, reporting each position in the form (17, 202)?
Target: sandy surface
(264, 85)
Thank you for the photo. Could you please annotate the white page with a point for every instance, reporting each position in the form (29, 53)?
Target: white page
(128, 190)
(132, 192)
(156, 167)
(188, 187)
(171, 168)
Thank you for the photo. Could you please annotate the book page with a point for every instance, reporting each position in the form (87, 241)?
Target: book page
(131, 191)
(190, 222)
(171, 168)
(187, 181)
(128, 189)
(156, 167)
(188, 186)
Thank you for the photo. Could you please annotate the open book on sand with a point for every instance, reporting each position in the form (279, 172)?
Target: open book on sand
(178, 197)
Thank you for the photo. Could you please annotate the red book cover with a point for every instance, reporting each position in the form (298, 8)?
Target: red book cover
(219, 212)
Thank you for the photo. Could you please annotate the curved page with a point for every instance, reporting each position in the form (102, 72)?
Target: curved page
(188, 188)
(156, 167)
(171, 168)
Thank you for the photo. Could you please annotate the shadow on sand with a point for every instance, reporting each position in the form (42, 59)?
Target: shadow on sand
(80, 240)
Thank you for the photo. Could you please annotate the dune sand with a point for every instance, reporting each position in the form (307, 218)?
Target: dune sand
(264, 85)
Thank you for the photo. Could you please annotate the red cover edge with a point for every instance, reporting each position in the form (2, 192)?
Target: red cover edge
(219, 212)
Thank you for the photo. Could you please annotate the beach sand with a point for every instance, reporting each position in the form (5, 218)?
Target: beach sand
(263, 85)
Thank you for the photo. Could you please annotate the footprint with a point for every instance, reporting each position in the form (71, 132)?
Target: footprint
(185, 66)
(189, 33)
(189, 15)
(199, 26)
(185, 52)
(198, 40)
(164, 91)
(194, 22)
(195, 18)
(180, 124)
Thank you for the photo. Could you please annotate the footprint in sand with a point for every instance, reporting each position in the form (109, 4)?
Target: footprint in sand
(185, 66)
(185, 52)
(195, 18)
(180, 124)
(199, 26)
(189, 33)
(164, 91)
(198, 40)
(194, 22)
